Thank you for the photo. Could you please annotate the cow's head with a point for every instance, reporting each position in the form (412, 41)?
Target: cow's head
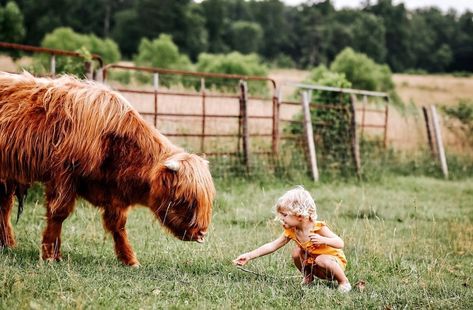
(182, 194)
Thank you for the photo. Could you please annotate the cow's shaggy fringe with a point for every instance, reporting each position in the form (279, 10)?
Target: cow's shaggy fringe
(81, 137)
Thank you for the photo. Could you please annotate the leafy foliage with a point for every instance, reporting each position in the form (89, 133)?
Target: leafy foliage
(234, 63)
(363, 72)
(67, 39)
(331, 120)
(463, 112)
(161, 53)
(12, 28)
(240, 33)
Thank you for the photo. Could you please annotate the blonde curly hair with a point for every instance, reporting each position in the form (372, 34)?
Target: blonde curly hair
(297, 201)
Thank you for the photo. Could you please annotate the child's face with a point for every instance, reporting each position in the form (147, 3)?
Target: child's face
(289, 220)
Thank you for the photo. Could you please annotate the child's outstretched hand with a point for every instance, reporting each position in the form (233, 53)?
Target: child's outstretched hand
(242, 259)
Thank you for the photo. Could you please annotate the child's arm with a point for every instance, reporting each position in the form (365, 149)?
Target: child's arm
(327, 237)
(262, 250)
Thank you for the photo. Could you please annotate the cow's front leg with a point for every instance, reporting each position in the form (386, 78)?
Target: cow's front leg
(59, 206)
(7, 238)
(114, 219)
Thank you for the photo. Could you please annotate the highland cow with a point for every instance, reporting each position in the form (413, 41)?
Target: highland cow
(80, 138)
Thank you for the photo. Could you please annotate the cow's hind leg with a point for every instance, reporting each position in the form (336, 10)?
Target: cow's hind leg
(59, 207)
(7, 238)
(114, 219)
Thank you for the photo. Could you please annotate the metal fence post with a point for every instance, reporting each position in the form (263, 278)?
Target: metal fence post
(202, 91)
(244, 123)
(155, 87)
(53, 66)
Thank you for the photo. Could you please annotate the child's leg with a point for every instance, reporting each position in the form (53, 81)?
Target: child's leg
(328, 268)
(298, 256)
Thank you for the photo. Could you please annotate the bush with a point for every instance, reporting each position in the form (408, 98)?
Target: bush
(331, 126)
(362, 71)
(234, 63)
(66, 39)
(161, 53)
(283, 61)
(463, 111)
(11, 23)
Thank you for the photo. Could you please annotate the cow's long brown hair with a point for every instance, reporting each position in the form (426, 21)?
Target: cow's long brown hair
(80, 137)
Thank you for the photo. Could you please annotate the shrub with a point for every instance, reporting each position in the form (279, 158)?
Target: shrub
(331, 125)
(362, 71)
(463, 111)
(283, 61)
(66, 39)
(161, 53)
(11, 23)
(234, 63)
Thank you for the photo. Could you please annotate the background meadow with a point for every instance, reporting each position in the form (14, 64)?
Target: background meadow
(410, 239)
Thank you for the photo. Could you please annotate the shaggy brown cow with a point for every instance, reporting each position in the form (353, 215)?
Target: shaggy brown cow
(79, 138)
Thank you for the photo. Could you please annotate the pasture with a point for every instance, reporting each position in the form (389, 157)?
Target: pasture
(410, 239)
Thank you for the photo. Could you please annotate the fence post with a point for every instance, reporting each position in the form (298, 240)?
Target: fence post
(355, 143)
(363, 116)
(53, 66)
(386, 120)
(438, 139)
(155, 88)
(276, 102)
(309, 133)
(429, 130)
(202, 91)
(244, 123)
(89, 70)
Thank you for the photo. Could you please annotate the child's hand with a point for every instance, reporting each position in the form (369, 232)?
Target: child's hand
(242, 259)
(317, 239)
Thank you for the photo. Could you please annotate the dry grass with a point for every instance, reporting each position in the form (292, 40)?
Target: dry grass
(406, 129)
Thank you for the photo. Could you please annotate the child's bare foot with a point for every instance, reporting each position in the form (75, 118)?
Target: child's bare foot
(344, 287)
(308, 279)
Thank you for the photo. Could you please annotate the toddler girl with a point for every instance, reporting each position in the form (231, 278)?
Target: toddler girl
(318, 252)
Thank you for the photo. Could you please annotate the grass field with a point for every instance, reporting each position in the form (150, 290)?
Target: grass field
(410, 239)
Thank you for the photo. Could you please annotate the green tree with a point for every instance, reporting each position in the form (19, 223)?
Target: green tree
(161, 53)
(462, 47)
(11, 23)
(67, 39)
(234, 63)
(363, 72)
(272, 16)
(245, 36)
(369, 36)
(398, 29)
(216, 23)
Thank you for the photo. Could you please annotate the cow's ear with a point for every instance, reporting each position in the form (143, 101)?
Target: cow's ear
(173, 165)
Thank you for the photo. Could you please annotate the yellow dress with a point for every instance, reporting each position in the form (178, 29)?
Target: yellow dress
(315, 250)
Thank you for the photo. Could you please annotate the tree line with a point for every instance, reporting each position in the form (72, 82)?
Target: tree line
(304, 36)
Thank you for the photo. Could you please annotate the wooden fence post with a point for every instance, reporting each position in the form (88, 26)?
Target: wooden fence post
(244, 124)
(355, 143)
(438, 139)
(429, 130)
(310, 136)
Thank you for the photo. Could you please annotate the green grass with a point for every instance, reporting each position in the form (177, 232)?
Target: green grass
(409, 238)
